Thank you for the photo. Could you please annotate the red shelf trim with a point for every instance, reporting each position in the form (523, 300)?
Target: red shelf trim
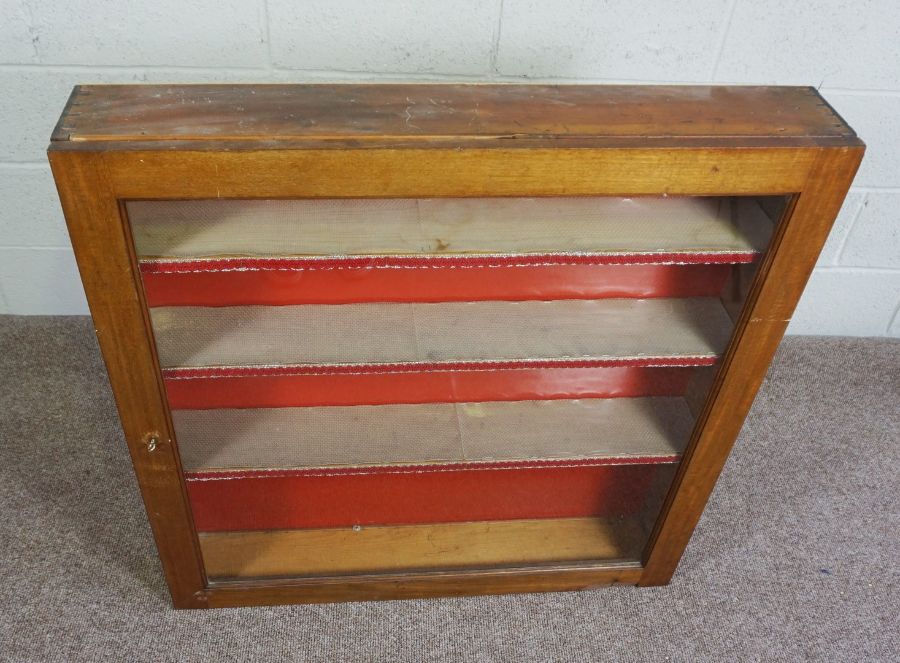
(212, 372)
(431, 468)
(293, 264)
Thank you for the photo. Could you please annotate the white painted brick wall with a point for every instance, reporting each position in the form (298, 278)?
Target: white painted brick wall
(849, 49)
(388, 36)
(633, 40)
(199, 33)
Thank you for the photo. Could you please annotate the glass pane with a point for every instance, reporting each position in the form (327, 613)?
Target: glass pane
(365, 386)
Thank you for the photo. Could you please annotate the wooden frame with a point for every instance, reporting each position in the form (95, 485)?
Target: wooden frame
(683, 146)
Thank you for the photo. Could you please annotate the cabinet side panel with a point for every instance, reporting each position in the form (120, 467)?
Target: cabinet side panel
(111, 282)
(778, 286)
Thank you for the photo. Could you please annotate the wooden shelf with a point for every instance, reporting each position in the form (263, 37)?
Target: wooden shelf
(366, 435)
(444, 227)
(232, 555)
(338, 251)
(435, 333)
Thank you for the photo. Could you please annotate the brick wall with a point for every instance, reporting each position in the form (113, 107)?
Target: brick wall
(850, 50)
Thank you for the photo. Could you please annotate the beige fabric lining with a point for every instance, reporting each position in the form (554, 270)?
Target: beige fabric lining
(453, 331)
(443, 226)
(366, 435)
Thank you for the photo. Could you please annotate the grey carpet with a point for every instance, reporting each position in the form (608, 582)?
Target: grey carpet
(795, 559)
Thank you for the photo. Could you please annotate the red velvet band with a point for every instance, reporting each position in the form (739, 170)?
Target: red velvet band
(250, 281)
(286, 386)
(344, 497)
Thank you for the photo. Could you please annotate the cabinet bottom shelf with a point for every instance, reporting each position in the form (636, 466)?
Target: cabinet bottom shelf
(318, 552)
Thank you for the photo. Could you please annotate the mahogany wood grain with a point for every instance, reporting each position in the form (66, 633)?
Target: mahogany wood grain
(777, 288)
(108, 268)
(302, 552)
(435, 111)
(384, 587)
(116, 143)
(302, 173)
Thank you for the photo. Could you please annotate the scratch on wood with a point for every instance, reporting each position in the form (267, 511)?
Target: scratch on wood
(408, 114)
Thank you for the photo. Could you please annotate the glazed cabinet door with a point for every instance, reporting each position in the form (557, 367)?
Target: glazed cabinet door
(361, 386)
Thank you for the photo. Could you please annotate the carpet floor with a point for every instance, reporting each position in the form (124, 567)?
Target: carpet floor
(796, 558)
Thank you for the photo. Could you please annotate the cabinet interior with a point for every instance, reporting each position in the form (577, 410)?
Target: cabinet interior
(372, 385)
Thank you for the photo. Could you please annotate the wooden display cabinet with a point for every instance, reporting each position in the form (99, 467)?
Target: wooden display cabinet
(392, 341)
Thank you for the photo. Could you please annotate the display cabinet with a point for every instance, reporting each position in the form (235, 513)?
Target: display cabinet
(388, 341)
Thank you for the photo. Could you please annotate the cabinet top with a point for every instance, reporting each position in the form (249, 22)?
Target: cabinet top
(414, 115)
